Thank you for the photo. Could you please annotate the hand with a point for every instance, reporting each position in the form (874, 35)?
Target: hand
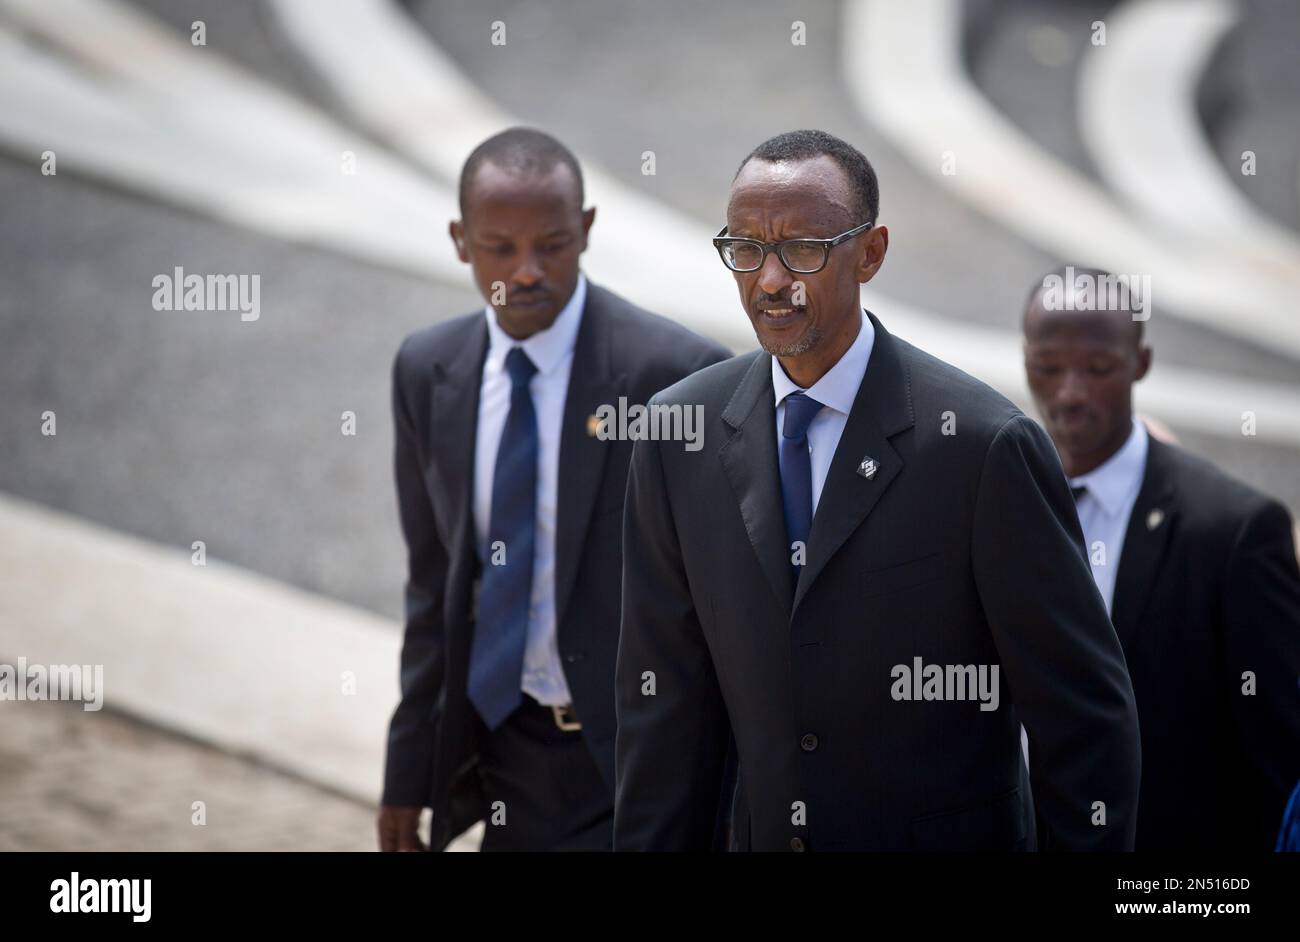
(399, 828)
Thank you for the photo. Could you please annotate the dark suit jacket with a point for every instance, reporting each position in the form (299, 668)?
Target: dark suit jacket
(620, 350)
(1207, 589)
(963, 549)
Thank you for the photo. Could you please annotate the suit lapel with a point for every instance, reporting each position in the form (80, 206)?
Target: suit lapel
(1145, 541)
(750, 462)
(453, 412)
(881, 409)
(582, 455)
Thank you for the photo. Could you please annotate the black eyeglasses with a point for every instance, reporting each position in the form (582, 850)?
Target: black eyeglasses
(800, 256)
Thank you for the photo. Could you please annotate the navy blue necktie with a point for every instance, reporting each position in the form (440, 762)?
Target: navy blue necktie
(796, 471)
(496, 661)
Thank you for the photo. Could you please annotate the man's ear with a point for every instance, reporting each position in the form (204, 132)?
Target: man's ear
(1144, 363)
(588, 217)
(873, 253)
(457, 232)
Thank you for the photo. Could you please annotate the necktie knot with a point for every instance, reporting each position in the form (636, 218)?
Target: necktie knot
(520, 368)
(800, 410)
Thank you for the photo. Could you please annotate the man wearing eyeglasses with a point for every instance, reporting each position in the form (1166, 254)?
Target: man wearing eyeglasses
(870, 575)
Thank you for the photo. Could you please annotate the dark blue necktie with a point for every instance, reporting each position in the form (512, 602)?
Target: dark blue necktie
(496, 661)
(796, 471)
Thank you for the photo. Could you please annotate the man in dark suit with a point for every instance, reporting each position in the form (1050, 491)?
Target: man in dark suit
(868, 541)
(1198, 570)
(511, 500)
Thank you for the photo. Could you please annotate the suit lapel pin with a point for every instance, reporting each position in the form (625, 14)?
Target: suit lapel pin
(593, 425)
(868, 467)
(1155, 518)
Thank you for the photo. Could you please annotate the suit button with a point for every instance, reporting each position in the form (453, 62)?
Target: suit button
(572, 658)
(808, 743)
(797, 844)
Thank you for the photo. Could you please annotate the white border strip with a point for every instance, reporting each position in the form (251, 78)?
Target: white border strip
(1152, 148)
(903, 65)
(233, 658)
(118, 97)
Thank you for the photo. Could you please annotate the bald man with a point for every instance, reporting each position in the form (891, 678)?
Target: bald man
(1197, 569)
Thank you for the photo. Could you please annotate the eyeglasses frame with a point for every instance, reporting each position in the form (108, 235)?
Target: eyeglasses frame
(721, 239)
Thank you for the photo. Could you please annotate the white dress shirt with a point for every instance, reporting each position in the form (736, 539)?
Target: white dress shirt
(551, 351)
(1104, 510)
(836, 391)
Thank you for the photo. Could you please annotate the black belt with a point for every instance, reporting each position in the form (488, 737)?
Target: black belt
(543, 718)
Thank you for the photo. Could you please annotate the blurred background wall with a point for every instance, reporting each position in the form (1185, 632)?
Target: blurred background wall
(316, 145)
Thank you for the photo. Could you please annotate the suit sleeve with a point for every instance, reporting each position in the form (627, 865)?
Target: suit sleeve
(1060, 656)
(1262, 635)
(671, 743)
(411, 733)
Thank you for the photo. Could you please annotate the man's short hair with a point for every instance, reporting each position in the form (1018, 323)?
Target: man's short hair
(519, 150)
(1063, 271)
(804, 145)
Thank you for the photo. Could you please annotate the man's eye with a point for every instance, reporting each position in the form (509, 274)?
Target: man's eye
(551, 247)
(1100, 369)
(1046, 369)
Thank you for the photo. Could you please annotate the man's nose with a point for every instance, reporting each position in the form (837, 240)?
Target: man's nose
(1073, 389)
(773, 277)
(529, 271)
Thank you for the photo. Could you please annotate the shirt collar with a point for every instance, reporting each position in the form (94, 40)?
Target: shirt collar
(1118, 479)
(838, 388)
(548, 347)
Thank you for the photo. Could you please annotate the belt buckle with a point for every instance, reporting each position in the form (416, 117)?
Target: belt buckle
(565, 718)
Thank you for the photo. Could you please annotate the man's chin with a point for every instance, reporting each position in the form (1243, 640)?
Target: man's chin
(1073, 442)
(780, 345)
(526, 319)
